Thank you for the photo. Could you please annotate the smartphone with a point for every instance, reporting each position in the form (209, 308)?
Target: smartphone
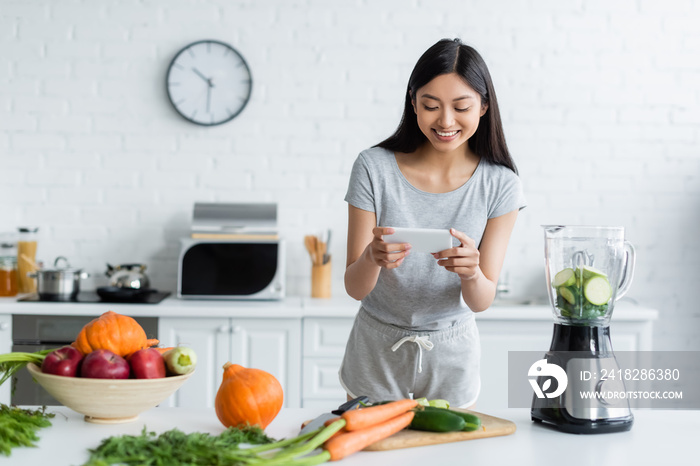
(421, 239)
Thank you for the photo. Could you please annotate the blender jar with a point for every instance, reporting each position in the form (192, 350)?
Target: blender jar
(587, 269)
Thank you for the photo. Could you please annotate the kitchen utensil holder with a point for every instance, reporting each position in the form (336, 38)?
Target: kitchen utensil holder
(321, 280)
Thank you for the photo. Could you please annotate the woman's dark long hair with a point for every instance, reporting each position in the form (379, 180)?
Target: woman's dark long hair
(452, 56)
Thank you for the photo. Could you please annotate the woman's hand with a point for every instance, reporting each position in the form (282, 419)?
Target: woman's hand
(383, 254)
(462, 260)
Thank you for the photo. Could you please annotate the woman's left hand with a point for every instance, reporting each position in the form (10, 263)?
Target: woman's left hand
(463, 259)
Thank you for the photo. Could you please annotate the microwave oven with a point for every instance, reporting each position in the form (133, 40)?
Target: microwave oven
(231, 269)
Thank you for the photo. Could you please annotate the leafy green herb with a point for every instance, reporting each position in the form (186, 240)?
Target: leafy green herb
(11, 363)
(18, 426)
(177, 448)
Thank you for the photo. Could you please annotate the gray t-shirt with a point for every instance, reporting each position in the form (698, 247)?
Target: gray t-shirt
(419, 294)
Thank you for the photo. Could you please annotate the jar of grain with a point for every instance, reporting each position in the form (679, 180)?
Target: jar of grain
(26, 258)
(8, 268)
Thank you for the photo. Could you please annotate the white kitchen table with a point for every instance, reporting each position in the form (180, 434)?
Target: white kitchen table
(657, 437)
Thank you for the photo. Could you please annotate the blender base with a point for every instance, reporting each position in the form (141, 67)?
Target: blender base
(583, 341)
(561, 420)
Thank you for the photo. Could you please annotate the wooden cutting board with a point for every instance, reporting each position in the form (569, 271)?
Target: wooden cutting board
(491, 427)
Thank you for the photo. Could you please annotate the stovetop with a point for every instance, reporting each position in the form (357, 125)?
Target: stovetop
(92, 297)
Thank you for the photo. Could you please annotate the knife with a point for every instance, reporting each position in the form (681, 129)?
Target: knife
(347, 406)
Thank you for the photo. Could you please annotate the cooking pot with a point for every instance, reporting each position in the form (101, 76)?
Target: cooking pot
(58, 282)
(131, 276)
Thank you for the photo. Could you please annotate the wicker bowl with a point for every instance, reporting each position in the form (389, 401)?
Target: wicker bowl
(108, 401)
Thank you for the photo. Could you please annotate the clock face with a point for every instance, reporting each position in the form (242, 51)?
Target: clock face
(209, 83)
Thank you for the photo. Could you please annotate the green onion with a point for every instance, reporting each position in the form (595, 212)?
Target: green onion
(11, 363)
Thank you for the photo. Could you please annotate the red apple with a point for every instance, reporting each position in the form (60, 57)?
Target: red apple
(147, 364)
(104, 364)
(64, 361)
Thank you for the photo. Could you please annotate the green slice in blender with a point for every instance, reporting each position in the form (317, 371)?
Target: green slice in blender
(567, 294)
(564, 278)
(590, 272)
(597, 290)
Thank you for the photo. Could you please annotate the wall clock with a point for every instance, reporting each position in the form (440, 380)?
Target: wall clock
(209, 82)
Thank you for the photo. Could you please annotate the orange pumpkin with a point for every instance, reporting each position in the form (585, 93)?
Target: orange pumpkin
(118, 333)
(248, 396)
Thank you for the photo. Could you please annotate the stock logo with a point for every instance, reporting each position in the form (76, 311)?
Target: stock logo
(542, 368)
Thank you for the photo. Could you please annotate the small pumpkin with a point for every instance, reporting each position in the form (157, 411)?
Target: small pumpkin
(115, 332)
(248, 396)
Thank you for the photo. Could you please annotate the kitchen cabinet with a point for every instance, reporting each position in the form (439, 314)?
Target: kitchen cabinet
(324, 346)
(273, 345)
(501, 330)
(265, 345)
(5, 347)
(301, 341)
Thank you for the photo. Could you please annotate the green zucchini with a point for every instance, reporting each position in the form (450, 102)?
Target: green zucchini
(569, 294)
(597, 290)
(582, 293)
(589, 272)
(564, 278)
(471, 421)
(436, 420)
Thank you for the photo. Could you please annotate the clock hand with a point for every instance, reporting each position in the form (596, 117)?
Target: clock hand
(208, 97)
(196, 71)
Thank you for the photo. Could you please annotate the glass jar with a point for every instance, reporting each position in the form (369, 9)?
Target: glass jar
(8, 268)
(26, 258)
(587, 268)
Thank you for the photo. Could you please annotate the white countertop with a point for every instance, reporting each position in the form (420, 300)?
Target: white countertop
(169, 307)
(290, 307)
(657, 437)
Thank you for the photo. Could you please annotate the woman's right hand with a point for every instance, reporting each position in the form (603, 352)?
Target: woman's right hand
(384, 254)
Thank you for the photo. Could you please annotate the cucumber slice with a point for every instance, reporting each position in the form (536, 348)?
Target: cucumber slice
(563, 305)
(439, 403)
(597, 290)
(564, 278)
(423, 401)
(567, 294)
(590, 272)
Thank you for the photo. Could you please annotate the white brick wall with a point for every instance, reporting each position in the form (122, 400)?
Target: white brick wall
(599, 99)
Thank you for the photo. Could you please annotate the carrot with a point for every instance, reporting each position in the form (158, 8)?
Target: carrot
(340, 432)
(357, 419)
(346, 444)
(162, 350)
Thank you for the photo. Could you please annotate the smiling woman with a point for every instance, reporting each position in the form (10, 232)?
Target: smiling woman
(447, 167)
(448, 122)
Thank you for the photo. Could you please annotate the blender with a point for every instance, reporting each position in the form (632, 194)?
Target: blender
(587, 269)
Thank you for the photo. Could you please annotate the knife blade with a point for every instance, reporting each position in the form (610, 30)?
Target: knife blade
(319, 420)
